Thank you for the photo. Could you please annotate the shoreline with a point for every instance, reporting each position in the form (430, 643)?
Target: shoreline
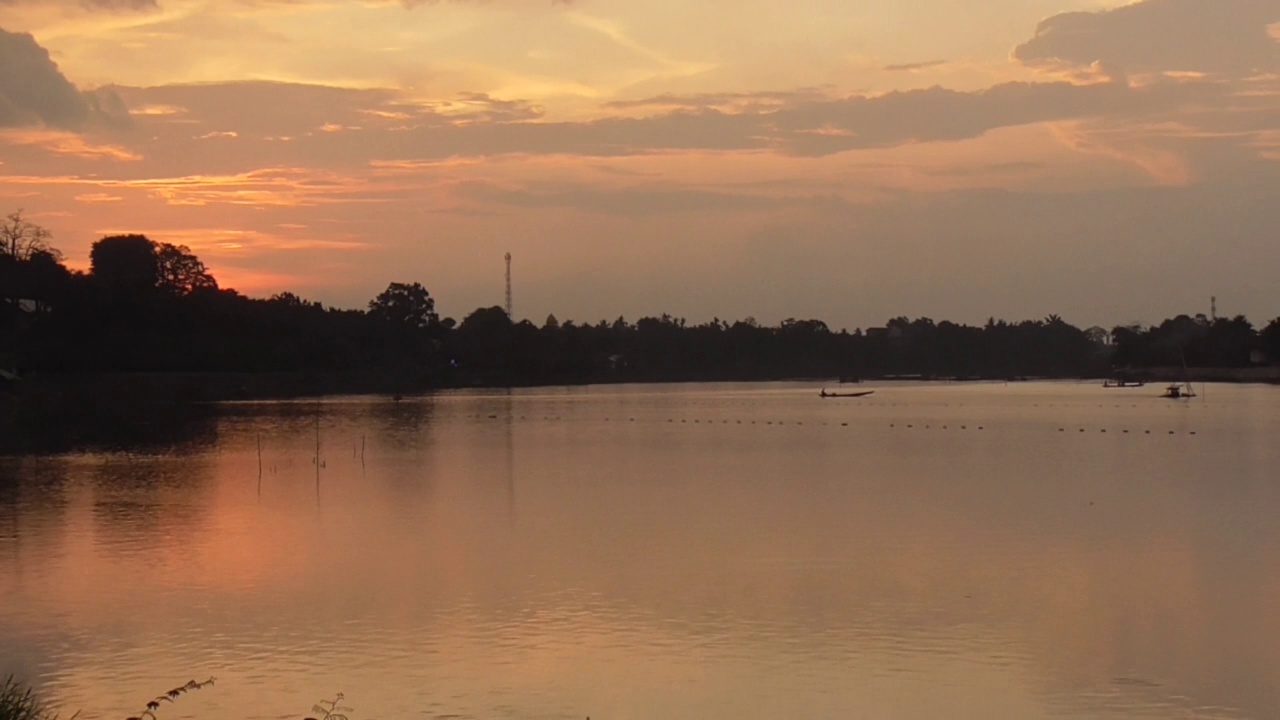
(149, 389)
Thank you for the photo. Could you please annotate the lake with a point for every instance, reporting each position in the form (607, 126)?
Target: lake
(1022, 550)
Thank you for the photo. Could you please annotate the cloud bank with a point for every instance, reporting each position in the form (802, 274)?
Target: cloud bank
(32, 89)
(1226, 38)
(34, 92)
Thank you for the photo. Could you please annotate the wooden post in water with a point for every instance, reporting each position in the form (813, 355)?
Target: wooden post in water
(317, 456)
(259, 464)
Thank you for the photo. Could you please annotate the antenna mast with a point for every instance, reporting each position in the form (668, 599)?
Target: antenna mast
(1213, 309)
(509, 315)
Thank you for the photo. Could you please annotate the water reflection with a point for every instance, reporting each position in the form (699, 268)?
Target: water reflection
(138, 427)
(777, 557)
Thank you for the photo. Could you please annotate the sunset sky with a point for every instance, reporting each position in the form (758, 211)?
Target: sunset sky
(1105, 161)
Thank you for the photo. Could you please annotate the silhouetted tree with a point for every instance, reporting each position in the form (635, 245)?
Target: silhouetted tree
(180, 272)
(125, 263)
(1271, 341)
(20, 239)
(405, 305)
(150, 306)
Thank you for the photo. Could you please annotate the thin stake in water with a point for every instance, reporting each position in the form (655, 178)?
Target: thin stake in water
(259, 464)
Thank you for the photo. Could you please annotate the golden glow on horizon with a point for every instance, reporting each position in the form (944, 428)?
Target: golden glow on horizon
(440, 128)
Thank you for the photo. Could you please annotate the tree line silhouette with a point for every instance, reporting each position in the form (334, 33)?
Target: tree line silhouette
(150, 307)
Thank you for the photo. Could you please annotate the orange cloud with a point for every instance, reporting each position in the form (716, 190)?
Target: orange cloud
(69, 144)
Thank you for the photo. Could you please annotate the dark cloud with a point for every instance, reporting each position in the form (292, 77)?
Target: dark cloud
(808, 123)
(749, 102)
(939, 114)
(301, 125)
(1220, 37)
(32, 89)
(33, 92)
(907, 67)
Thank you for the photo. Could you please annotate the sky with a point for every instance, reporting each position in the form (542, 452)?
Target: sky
(1104, 161)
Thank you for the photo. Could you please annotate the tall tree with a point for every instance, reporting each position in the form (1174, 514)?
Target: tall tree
(1271, 341)
(180, 272)
(125, 262)
(405, 305)
(20, 238)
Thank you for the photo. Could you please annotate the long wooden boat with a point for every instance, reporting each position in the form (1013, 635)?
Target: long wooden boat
(825, 394)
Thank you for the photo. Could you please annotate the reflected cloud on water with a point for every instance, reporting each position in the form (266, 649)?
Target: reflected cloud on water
(477, 559)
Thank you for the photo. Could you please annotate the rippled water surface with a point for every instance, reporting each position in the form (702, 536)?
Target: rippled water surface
(721, 551)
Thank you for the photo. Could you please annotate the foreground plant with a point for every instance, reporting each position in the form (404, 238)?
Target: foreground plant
(330, 709)
(21, 703)
(170, 696)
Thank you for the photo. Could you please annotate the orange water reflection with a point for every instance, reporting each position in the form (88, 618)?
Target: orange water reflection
(486, 559)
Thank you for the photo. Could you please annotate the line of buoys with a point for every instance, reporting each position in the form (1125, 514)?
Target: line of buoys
(824, 423)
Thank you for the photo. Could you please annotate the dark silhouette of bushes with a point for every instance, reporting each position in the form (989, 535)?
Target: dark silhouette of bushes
(148, 307)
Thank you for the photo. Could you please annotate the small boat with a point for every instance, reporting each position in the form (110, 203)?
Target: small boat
(825, 394)
(1122, 383)
(1178, 392)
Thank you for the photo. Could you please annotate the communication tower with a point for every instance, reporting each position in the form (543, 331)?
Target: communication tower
(1213, 309)
(509, 315)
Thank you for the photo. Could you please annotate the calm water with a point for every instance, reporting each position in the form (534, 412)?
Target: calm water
(949, 551)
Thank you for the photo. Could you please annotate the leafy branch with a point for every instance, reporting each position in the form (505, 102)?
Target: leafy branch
(171, 696)
(330, 709)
